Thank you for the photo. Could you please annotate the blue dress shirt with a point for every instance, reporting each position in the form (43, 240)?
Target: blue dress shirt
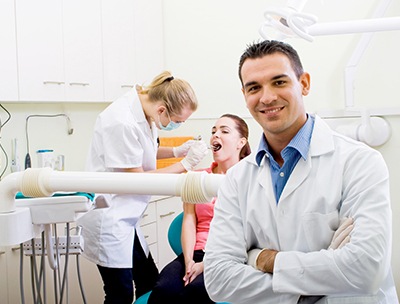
(297, 147)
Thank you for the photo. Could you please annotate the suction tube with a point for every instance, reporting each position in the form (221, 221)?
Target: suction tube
(197, 187)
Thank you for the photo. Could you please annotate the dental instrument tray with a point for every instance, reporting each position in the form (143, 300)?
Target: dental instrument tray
(59, 208)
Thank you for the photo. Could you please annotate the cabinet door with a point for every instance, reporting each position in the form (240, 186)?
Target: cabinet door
(119, 49)
(83, 50)
(167, 210)
(40, 50)
(3, 277)
(149, 40)
(8, 53)
(59, 50)
(132, 42)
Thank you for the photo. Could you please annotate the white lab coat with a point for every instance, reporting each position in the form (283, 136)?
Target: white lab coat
(122, 139)
(340, 178)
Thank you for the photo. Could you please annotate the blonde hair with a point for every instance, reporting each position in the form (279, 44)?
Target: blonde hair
(176, 93)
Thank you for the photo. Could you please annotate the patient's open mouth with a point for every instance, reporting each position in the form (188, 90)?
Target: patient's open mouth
(216, 147)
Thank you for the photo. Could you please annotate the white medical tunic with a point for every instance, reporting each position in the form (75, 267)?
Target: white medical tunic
(122, 139)
(340, 178)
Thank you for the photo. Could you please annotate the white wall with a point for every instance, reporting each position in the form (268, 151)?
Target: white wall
(50, 133)
(203, 43)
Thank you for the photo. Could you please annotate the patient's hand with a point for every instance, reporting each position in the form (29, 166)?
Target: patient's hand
(192, 271)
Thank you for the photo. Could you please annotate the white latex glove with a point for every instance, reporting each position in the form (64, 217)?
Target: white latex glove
(183, 149)
(195, 154)
(342, 235)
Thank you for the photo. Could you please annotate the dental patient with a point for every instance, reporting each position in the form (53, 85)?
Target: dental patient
(181, 281)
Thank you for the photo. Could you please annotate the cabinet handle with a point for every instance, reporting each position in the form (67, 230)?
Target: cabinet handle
(79, 83)
(146, 236)
(2, 252)
(15, 248)
(126, 86)
(53, 82)
(167, 214)
(144, 215)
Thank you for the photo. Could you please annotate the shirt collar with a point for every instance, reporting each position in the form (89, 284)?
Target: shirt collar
(136, 107)
(300, 142)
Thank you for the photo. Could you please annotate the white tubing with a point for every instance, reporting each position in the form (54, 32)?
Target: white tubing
(355, 26)
(112, 182)
(50, 247)
(191, 190)
(45, 181)
(9, 186)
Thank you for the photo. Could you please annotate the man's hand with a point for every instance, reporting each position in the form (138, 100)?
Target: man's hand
(265, 260)
(342, 235)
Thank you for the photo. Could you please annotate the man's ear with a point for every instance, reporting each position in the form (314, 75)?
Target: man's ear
(305, 82)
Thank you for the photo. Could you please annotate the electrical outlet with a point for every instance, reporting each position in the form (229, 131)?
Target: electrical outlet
(75, 245)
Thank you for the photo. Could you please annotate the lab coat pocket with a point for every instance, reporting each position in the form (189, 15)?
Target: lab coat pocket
(319, 229)
(373, 299)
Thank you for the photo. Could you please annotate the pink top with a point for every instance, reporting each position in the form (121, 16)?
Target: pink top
(204, 214)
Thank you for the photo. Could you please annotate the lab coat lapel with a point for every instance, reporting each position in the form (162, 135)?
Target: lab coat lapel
(322, 135)
(265, 181)
(299, 174)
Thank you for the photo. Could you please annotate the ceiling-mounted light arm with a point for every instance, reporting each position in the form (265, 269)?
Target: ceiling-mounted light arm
(355, 26)
(371, 130)
(374, 131)
(351, 67)
(289, 22)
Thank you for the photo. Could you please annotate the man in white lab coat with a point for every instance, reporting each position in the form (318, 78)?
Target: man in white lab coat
(278, 209)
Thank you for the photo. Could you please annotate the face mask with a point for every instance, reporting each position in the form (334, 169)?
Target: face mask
(171, 125)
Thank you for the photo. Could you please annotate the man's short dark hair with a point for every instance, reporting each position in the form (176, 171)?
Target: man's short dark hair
(269, 47)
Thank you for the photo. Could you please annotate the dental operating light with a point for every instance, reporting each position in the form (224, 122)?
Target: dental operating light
(290, 22)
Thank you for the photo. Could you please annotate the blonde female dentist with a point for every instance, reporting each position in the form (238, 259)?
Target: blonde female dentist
(125, 140)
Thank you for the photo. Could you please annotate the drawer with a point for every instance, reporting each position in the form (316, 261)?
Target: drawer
(150, 233)
(149, 216)
(154, 252)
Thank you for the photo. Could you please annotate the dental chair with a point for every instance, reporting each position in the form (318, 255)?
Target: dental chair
(174, 239)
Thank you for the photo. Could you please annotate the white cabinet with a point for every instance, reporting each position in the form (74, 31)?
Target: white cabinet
(132, 44)
(78, 51)
(148, 224)
(8, 53)
(155, 224)
(3, 270)
(119, 49)
(167, 210)
(40, 50)
(83, 50)
(149, 42)
(59, 50)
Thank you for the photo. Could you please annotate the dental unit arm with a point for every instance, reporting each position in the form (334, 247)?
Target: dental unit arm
(16, 222)
(291, 22)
